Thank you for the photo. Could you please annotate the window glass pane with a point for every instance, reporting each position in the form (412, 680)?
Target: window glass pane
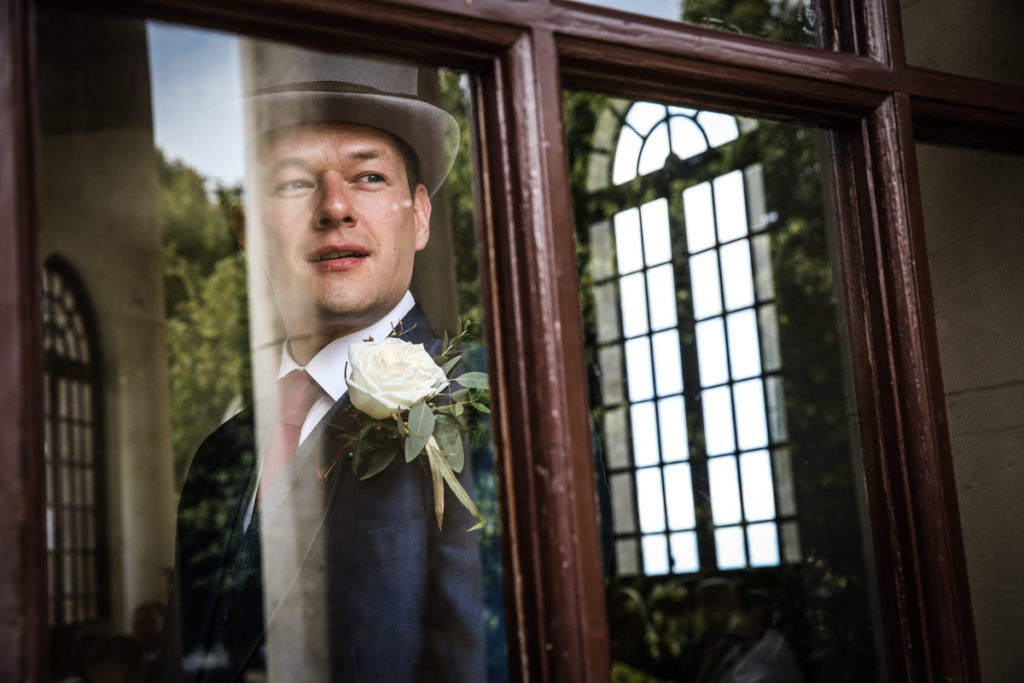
(679, 497)
(672, 423)
(790, 21)
(655, 150)
(623, 510)
(657, 246)
(729, 548)
(700, 221)
(975, 247)
(744, 345)
(758, 497)
(725, 490)
(634, 305)
(280, 511)
(684, 552)
(764, 545)
(655, 555)
(688, 140)
(751, 420)
(628, 249)
(628, 156)
(737, 280)
(744, 478)
(730, 206)
(668, 366)
(711, 352)
(707, 297)
(650, 500)
(662, 289)
(616, 450)
(645, 434)
(638, 369)
(718, 430)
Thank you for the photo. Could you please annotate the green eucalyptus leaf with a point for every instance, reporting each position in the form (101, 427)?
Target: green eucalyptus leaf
(458, 456)
(481, 407)
(460, 493)
(436, 461)
(449, 365)
(381, 459)
(421, 426)
(449, 438)
(473, 380)
(413, 447)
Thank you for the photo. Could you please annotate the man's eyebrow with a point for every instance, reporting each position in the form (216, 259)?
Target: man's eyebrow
(286, 163)
(365, 153)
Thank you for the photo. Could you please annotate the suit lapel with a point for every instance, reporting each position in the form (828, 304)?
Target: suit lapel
(292, 530)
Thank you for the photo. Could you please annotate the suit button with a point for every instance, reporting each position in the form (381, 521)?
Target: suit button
(226, 616)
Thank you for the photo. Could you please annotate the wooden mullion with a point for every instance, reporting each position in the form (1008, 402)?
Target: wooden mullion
(924, 600)
(23, 608)
(929, 485)
(551, 511)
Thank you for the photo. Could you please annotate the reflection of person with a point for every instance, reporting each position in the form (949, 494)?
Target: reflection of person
(297, 569)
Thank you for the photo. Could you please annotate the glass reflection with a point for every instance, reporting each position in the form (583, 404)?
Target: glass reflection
(792, 21)
(745, 547)
(325, 558)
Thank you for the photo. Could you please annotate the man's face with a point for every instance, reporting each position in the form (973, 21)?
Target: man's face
(340, 225)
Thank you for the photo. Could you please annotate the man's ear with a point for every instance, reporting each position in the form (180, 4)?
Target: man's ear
(237, 221)
(421, 209)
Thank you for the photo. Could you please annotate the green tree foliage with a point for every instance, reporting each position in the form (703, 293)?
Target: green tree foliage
(455, 100)
(787, 20)
(206, 303)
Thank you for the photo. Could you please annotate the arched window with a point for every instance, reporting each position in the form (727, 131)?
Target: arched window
(74, 447)
(687, 346)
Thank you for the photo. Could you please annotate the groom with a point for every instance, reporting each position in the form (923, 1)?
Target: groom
(289, 566)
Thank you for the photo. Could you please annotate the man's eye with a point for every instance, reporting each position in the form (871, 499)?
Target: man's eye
(371, 178)
(293, 186)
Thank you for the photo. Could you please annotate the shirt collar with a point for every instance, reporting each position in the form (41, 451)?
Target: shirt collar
(330, 365)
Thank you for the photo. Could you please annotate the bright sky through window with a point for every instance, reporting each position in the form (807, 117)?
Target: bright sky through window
(727, 332)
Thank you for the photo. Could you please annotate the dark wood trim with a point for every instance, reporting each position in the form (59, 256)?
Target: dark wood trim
(23, 561)
(919, 562)
(628, 55)
(960, 110)
(545, 422)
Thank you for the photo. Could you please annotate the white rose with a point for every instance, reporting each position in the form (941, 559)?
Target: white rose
(391, 375)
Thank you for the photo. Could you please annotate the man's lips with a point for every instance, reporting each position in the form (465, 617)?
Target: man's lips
(338, 254)
(337, 257)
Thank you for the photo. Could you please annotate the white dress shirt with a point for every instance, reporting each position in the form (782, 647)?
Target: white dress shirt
(329, 367)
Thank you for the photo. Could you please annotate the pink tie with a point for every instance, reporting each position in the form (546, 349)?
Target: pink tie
(296, 392)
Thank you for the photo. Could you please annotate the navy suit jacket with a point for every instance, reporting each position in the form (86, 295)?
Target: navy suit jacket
(366, 587)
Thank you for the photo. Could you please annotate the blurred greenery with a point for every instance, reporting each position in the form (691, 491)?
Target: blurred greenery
(791, 21)
(206, 306)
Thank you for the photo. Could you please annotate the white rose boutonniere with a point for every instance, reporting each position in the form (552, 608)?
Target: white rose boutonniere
(404, 401)
(391, 376)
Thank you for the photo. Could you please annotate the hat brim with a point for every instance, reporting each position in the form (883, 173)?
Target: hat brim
(431, 131)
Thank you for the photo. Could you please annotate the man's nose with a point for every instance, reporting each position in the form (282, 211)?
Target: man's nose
(334, 207)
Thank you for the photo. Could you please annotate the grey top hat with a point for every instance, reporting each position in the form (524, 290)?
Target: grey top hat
(285, 85)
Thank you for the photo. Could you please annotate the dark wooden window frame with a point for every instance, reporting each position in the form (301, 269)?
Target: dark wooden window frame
(523, 52)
